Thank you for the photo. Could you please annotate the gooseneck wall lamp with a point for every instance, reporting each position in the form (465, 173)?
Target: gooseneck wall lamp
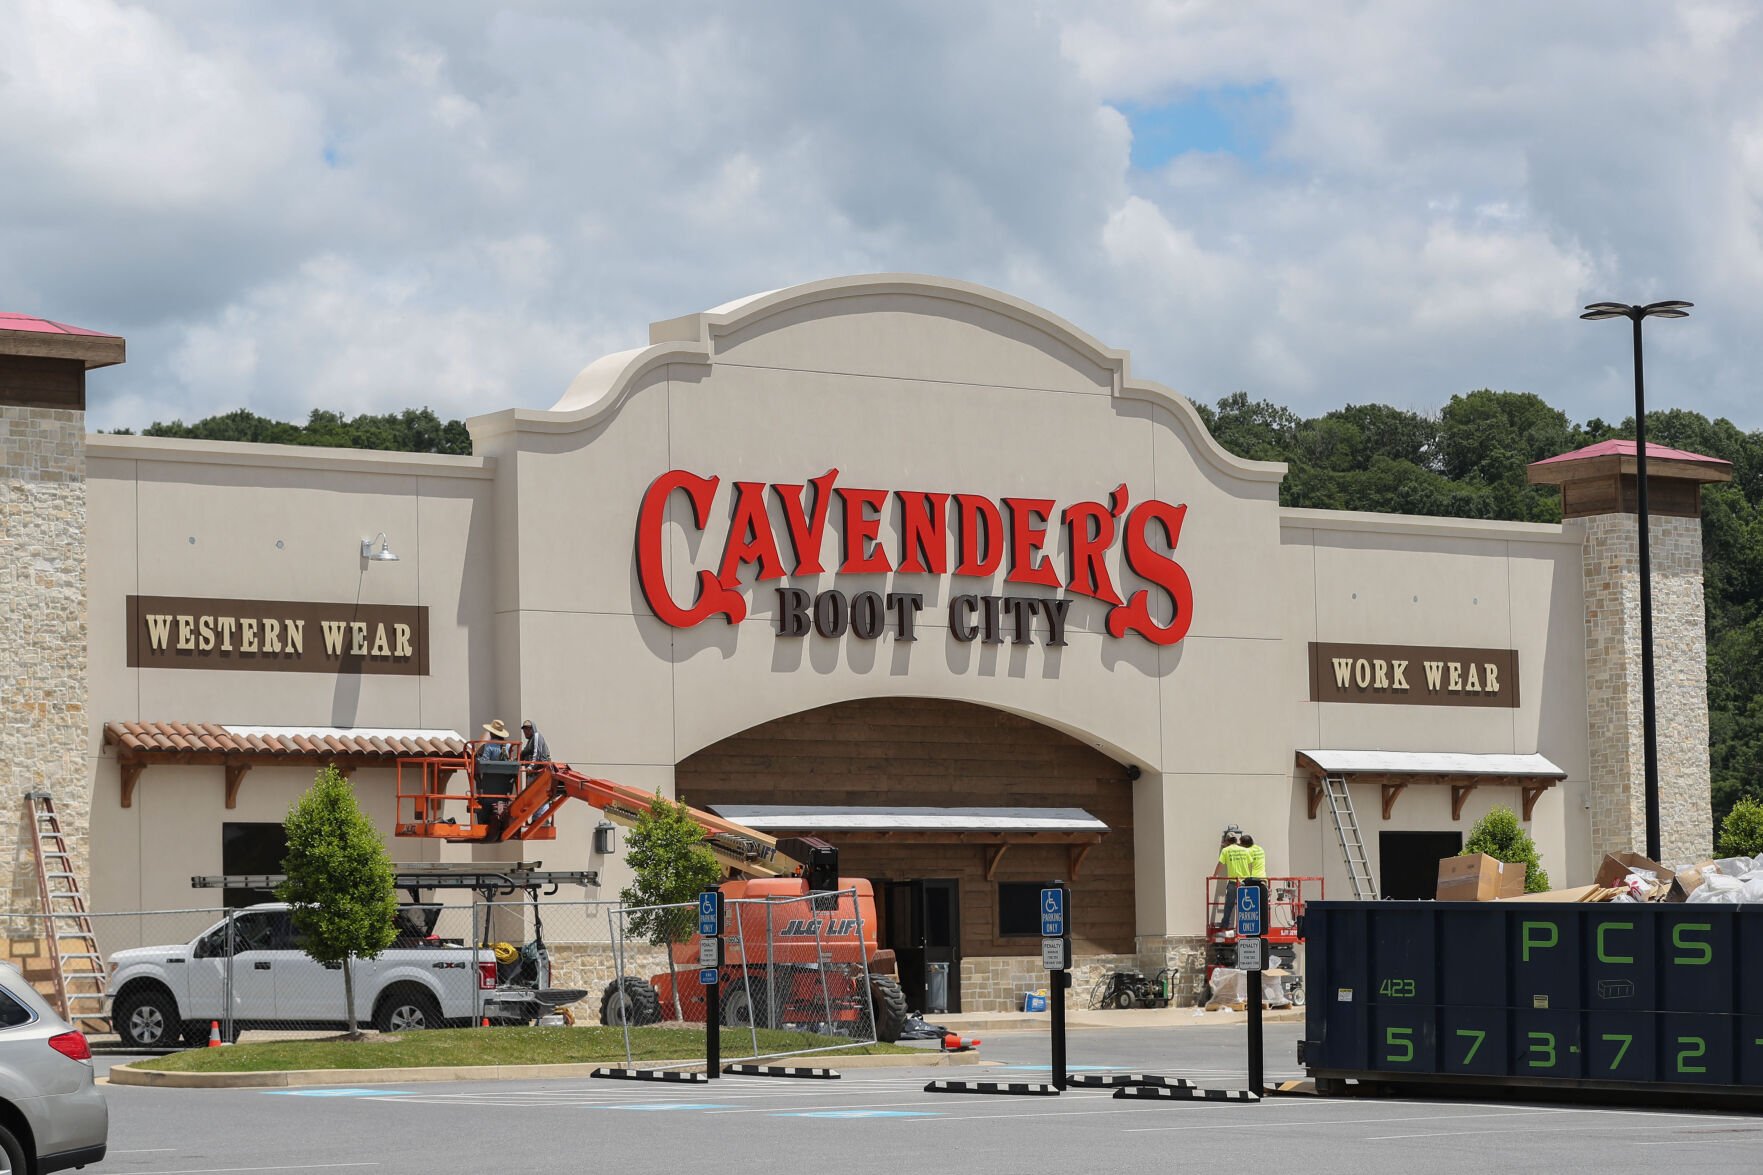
(1649, 722)
(383, 555)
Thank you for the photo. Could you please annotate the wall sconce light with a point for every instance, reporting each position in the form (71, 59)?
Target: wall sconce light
(384, 554)
(606, 837)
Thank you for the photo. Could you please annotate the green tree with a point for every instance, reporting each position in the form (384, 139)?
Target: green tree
(1500, 836)
(672, 865)
(1741, 833)
(414, 430)
(339, 881)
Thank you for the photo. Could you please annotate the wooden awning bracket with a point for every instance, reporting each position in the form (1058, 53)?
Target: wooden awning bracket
(235, 775)
(1460, 795)
(1391, 791)
(1531, 795)
(994, 855)
(1314, 786)
(1075, 855)
(131, 775)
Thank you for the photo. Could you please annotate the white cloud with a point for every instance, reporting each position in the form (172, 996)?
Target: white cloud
(354, 206)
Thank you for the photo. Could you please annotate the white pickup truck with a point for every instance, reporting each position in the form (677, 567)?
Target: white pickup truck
(159, 994)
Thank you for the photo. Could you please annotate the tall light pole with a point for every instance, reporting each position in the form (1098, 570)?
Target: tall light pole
(1649, 724)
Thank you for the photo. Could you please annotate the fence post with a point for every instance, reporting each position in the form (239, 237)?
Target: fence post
(477, 992)
(826, 994)
(771, 1004)
(615, 928)
(747, 976)
(226, 997)
(868, 998)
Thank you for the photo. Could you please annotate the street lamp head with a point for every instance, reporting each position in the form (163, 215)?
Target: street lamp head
(1604, 310)
(1601, 310)
(1667, 310)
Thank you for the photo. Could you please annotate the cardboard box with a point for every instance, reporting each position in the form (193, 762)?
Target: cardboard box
(1577, 893)
(1688, 881)
(1614, 870)
(1478, 878)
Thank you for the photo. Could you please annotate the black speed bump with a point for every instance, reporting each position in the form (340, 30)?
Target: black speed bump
(1186, 1093)
(651, 1075)
(800, 1071)
(1016, 1087)
(1116, 1080)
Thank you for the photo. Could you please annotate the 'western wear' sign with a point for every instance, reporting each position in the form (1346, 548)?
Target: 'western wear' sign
(176, 632)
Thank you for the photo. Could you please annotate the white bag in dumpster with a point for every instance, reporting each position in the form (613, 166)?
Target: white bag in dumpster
(1735, 866)
(1732, 891)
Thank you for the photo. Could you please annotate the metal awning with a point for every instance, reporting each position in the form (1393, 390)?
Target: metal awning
(996, 828)
(1462, 771)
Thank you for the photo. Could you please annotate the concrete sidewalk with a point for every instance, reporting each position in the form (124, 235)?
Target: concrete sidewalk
(980, 1023)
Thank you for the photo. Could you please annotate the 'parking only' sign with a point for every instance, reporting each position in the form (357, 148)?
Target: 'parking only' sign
(1249, 910)
(707, 920)
(1052, 913)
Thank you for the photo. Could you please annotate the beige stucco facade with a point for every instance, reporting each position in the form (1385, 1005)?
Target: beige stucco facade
(525, 555)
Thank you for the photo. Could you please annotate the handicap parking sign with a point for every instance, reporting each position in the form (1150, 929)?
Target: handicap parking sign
(1249, 910)
(707, 914)
(1052, 913)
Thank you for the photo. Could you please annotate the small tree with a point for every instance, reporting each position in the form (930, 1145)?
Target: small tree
(339, 881)
(666, 852)
(1500, 836)
(1741, 833)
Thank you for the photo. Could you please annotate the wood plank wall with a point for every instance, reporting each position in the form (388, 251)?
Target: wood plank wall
(931, 753)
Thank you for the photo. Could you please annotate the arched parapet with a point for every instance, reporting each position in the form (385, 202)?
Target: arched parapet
(1037, 349)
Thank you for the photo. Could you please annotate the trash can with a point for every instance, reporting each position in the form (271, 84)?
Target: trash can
(936, 988)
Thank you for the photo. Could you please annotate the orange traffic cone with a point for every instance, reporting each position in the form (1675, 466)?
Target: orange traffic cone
(486, 1023)
(952, 1043)
(214, 1040)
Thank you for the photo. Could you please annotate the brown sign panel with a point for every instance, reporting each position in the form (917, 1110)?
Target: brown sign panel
(177, 632)
(1414, 675)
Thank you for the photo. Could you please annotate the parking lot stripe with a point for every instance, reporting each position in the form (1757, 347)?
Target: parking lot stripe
(229, 1170)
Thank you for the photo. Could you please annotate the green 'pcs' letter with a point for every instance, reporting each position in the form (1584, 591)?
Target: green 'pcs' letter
(1603, 954)
(1701, 953)
(1540, 935)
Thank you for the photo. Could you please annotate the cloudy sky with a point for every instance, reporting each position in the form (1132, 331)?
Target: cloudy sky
(373, 206)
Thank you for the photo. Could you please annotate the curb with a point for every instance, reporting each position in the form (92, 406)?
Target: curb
(300, 1078)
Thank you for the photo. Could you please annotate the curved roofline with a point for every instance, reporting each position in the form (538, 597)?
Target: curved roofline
(603, 385)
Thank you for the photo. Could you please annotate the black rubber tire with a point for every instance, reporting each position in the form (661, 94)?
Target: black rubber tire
(407, 1009)
(1205, 994)
(1123, 999)
(196, 1033)
(638, 998)
(1295, 993)
(147, 1018)
(13, 1153)
(735, 1006)
(890, 1007)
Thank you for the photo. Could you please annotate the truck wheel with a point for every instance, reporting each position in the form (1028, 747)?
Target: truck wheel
(890, 1007)
(739, 1008)
(148, 1019)
(407, 1010)
(629, 1000)
(1123, 999)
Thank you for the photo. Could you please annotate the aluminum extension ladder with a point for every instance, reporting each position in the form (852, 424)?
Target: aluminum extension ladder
(76, 966)
(1346, 826)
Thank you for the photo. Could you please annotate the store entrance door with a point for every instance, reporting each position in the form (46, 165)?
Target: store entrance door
(1408, 862)
(923, 929)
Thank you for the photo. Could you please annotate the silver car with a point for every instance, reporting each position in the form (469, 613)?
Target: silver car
(51, 1114)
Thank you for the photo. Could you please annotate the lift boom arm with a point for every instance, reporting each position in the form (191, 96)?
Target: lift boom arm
(531, 812)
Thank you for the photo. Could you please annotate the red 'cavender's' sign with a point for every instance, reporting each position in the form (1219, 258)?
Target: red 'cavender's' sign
(983, 542)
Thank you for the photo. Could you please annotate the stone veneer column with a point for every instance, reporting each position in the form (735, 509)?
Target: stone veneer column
(1598, 486)
(44, 728)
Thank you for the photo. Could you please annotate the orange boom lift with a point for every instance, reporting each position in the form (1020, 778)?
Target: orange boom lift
(808, 982)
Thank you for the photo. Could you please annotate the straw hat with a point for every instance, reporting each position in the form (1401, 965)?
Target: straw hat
(496, 729)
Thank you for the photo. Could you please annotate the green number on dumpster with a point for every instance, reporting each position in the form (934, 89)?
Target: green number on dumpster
(1403, 1037)
(1478, 1035)
(1683, 1055)
(1547, 1045)
(1626, 1039)
(1398, 989)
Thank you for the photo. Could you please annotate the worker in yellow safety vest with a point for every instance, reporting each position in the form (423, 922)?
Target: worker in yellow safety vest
(1233, 862)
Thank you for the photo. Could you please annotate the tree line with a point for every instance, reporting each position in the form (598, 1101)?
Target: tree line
(1465, 461)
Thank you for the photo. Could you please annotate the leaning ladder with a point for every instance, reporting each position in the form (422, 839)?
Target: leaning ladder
(76, 967)
(1346, 826)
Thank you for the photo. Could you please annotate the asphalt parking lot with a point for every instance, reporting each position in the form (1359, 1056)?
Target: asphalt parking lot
(881, 1121)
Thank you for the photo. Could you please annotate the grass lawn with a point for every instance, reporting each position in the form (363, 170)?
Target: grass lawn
(494, 1046)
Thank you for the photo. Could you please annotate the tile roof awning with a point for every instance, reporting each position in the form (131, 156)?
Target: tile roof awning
(140, 745)
(995, 828)
(1463, 772)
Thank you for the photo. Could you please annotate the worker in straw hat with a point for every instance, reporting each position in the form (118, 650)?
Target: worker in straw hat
(495, 773)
